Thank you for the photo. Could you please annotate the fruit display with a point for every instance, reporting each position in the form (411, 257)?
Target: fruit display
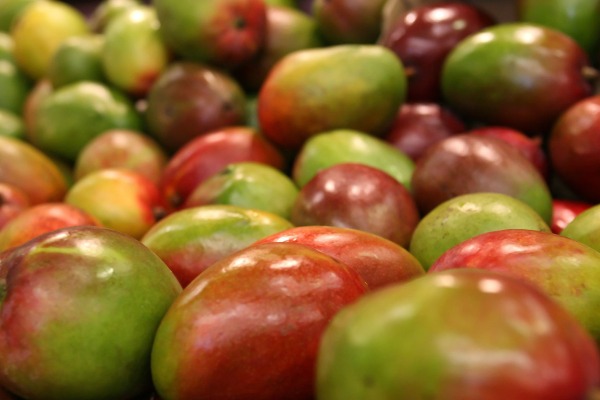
(299, 199)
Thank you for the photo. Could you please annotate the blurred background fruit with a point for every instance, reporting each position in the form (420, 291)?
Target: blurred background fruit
(40, 29)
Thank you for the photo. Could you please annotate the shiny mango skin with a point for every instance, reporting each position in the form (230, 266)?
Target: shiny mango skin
(347, 145)
(191, 239)
(456, 335)
(249, 326)
(134, 53)
(84, 304)
(519, 75)
(565, 269)
(465, 216)
(585, 227)
(576, 18)
(310, 91)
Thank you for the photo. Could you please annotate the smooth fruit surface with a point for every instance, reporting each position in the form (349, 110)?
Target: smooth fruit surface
(225, 33)
(564, 211)
(410, 339)
(192, 239)
(40, 29)
(348, 21)
(571, 145)
(209, 154)
(134, 54)
(122, 148)
(84, 304)
(377, 260)
(576, 18)
(345, 145)
(42, 218)
(468, 215)
(518, 75)
(78, 58)
(556, 264)
(69, 117)
(358, 196)
(121, 199)
(14, 85)
(32, 171)
(468, 163)
(190, 99)
(265, 307)
(247, 184)
(310, 91)
(423, 36)
(585, 227)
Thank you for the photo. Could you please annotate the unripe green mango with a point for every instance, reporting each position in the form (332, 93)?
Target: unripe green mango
(576, 18)
(134, 54)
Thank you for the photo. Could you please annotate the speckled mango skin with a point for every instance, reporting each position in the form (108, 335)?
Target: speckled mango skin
(78, 313)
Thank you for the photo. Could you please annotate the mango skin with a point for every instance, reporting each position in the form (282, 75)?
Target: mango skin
(40, 29)
(310, 91)
(192, 239)
(554, 263)
(84, 304)
(518, 75)
(576, 18)
(345, 145)
(456, 335)
(467, 163)
(250, 185)
(585, 228)
(466, 216)
(32, 171)
(71, 116)
(225, 33)
(249, 326)
(134, 53)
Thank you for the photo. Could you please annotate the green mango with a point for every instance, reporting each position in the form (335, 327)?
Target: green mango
(14, 86)
(585, 227)
(78, 58)
(11, 125)
(6, 47)
(71, 116)
(192, 239)
(134, 53)
(106, 10)
(344, 145)
(576, 18)
(10, 10)
(466, 216)
(250, 185)
(39, 31)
